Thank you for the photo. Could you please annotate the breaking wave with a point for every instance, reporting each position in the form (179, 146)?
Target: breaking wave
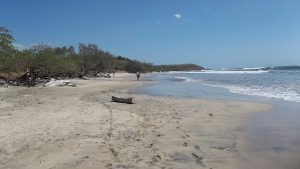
(280, 82)
(184, 79)
(234, 71)
(246, 70)
(287, 94)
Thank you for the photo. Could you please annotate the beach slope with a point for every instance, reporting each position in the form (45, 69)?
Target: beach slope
(79, 127)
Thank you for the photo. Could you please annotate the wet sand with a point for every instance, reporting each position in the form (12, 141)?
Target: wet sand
(272, 139)
(79, 127)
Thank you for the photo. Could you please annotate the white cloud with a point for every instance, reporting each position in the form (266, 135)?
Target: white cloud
(178, 16)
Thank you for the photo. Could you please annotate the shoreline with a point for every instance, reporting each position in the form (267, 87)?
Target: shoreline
(272, 138)
(79, 127)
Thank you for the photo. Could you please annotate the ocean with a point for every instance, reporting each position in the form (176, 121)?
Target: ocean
(263, 83)
(272, 137)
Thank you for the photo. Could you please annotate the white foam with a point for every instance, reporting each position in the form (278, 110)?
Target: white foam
(270, 92)
(226, 71)
(185, 79)
(235, 72)
(253, 68)
(175, 72)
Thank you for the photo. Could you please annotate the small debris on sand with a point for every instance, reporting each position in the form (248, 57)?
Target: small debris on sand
(60, 83)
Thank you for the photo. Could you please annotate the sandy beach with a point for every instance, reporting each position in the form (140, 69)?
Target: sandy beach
(79, 127)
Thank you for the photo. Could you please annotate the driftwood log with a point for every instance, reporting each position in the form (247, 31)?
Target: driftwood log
(122, 100)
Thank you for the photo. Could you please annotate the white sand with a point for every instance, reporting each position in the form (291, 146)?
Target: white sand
(79, 127)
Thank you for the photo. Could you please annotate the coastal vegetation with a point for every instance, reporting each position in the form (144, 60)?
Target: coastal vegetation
(67, 61)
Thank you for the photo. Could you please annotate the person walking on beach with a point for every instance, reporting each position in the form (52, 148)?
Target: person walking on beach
(29, 77)
(138, 75)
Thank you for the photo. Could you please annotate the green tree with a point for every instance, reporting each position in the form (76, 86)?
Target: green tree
(24, 59)
(7, 49)
(47, 62)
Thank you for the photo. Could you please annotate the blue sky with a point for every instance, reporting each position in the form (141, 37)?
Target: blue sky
(211, 33)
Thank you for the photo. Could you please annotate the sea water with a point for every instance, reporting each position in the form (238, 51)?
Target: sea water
(257, 83)
(273, 137)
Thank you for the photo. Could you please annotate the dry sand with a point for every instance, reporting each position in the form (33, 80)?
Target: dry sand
(79, 127)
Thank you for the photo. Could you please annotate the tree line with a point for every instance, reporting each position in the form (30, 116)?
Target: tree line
(66, 61)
